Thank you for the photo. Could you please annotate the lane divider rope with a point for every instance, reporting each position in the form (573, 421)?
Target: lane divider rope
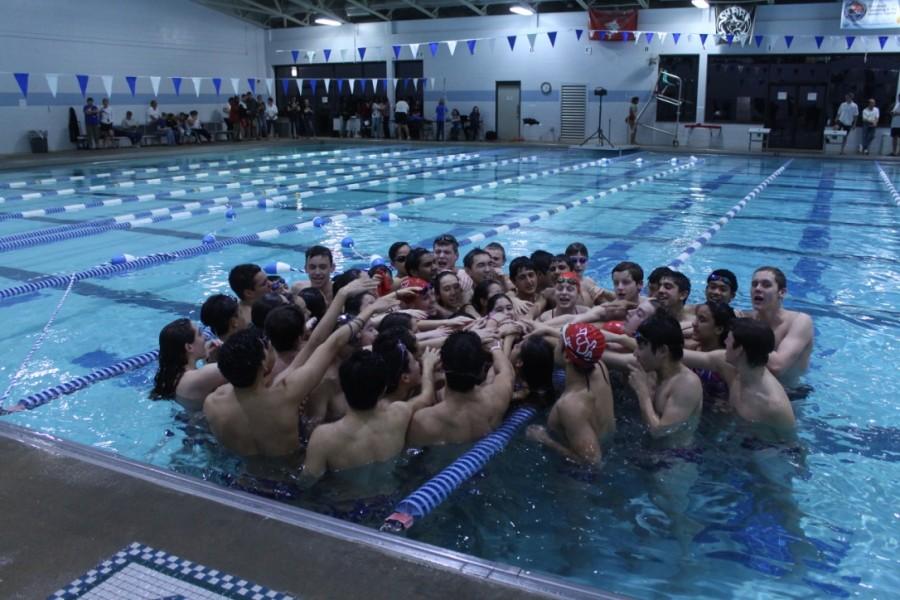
(888, 184)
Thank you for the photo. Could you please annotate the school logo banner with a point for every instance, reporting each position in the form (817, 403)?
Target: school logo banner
(870, 14)
(611, 25)
(734, 24)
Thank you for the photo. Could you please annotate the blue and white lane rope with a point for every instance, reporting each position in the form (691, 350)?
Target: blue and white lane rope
(160, 258)
(196, 208)
(438, 488)
(888, 184)
(707, 235)
(399, 165)
(177, 193)
(78, 383)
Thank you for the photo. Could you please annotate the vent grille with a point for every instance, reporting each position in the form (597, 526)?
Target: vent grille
(572, 106)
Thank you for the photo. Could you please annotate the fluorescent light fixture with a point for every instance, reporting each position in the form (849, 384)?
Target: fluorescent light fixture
(327, 21)
(293, 71)
(521, 9)
(700, 3)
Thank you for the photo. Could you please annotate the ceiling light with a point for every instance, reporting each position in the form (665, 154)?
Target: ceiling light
(293, 71)
(521, 9)
(327, 21)
(700, 3)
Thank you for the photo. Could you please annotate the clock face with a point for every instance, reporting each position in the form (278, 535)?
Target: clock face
(546, 88)
(735, 21)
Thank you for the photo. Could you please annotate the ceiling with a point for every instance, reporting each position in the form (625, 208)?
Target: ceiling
(277, 14)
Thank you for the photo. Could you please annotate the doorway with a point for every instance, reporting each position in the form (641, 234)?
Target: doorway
(796, 114)
(508, 103)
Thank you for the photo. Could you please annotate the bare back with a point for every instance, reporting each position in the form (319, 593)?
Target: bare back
(583, 417)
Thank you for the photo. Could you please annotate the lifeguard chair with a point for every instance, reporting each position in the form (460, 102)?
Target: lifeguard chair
(666, 89)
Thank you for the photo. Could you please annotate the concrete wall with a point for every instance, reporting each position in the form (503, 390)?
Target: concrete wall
(128, 37)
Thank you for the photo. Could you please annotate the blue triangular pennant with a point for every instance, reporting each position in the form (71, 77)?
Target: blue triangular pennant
(850, 40)
(551, 35)
(362, 53)
(882, 40)
(217, 83)
(578, 33)
(285, 85)
(131, 80)
(512, 41)
(626, 35)
(340, 86)
(788, 40)
(408, 82)
(22, 80)
(433, 46)
(819, 40)
(729, 38)
(295, 54)
(82, 83)
(471, 45)
(758, 39)
(649, 36)
(397, 51)
(327, 53)
(422, 82)
(675, 37)
(703, 37)
(176, 83)
(312, 85)
(601, 36)
(252, 83)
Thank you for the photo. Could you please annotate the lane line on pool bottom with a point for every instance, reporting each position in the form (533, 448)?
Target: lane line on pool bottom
(221, 204)
(888, 184)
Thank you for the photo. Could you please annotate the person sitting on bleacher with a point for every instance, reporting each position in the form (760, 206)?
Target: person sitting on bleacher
(156, 123)
(129, 128)
(195, 128)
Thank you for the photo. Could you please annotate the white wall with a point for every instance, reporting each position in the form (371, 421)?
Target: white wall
(120, 38)
(622, 67)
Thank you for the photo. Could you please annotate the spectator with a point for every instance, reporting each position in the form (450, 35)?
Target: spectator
(401, 117)
(870, 116)
(440, 115)
(106, 123)
(295, 117)
(271, 115)
(156, 123)
(248, 117)
(377, 116)
(846, 118)
(895, 127)
(92, 123)
(415, 121)
(262, 125)
(474, 124)
(195, 128)
(633, 111)
(455, 125)
(309, 118)
(234, 118)
(129, 128)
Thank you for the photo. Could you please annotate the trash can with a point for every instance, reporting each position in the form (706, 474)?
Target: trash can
(38, 139)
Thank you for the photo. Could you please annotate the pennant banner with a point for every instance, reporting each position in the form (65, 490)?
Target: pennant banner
(578, 34)
(312, 85)
(327, 85)
(310, 55)
(217, 83)
(433, 47)
(362, 53)
(397, 50)
(154, 83)
(675, 37)
(22, 80)
(471, 45)
(107, 84)
(703, 37)
(451, 47)
(270, 85)
(819, 40)
(758, 39)
(551, 35)
(176, 83)
(295, 54)
(649, 36)
(882, 40)
(343, 55)
(850, 39)
(252, 83)
(788, 40)
(327, 53)
(512, 41)
(340, 83)
(531, 38)
(83, 83)
(197, 81)
(235, 85)
(53, 83)
(414, 48)
(285, 86)
(131, 80)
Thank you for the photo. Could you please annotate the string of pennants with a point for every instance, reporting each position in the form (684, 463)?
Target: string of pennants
(52, 79)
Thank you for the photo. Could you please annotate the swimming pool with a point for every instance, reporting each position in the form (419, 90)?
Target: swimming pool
(818, 523)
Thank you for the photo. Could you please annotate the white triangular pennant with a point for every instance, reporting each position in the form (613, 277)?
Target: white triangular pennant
(531, 37)
(343, 55)
(310, 55)
(352, 86)
(154, 83)
(52, 82)
(637, 37)
(197, 81)
(270, 85)
(107, 84)
(451, 46)
(299, 86)
(414, 48)
(235, 83)
(374, 85)
(431, 80)
(327, 85)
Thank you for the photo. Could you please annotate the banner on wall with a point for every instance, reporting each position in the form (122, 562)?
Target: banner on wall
(870, 14)
(611, 22)
(735, 21)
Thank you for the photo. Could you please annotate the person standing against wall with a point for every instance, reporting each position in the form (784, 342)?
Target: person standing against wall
(401, 116)
(92, 123)
(377, 109)
(631, 119)
(846, 116)
(440, 115)
(895, 127)
(870, 116)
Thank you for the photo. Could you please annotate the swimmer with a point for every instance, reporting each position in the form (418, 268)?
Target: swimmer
(583, 416)
(754, 393)
(421, 263)
(559, 264)
(397, 254)
(372, 430)
(628, 280)
(793, 330)
(470, 407)
(535, 365)
(223, 315)
(591, 293)
(451, 300)
(498, 261)
(524, 278)
(653, 280)
(181, 346)
(721, 286)
(249, 283)
(567, 290)
(477, 263)
(672, 293)
(319, 266)
(482, 292)
(446, 253)
(712, 323)
(253, 419)
(541, 260)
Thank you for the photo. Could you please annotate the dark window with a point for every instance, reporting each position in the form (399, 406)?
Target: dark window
(331, 99)
(410, 82)
(687, 67)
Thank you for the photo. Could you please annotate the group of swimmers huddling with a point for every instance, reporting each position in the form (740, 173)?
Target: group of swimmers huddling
(343, 371)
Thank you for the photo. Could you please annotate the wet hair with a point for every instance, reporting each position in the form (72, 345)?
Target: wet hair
(780, 279)
(436, 283)
(492, 302)
(396, 320)
(241, 278)
(497, 246)
(348, 276)
(262, 307)
(541, 260)
(315, 301)
(395, 248)
(662, 329)
(726, 276)
(680, 280)
(480, 294)
(447, 240)
(469, 258)
(722, 315)
(756, 338)
(217, 312)
(396, 347)
(353, 305)
(284, 326)
(657, 274)
(314, 251)
(464, 360)
(537, 356)
(172, 357)
(363, 379)
(634, 269)
(414, 258)
(521, 263)
(241, 356)
(576, 248)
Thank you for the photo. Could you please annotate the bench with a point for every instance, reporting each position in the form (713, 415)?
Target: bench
(835, 137)
(219, 132)
(712, 129)
(758, 134)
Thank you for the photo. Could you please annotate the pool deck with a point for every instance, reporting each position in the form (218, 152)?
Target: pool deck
(66, 507)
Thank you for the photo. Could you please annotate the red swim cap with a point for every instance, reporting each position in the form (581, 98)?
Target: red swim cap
(413, 282)
(584, 344)
(569, 277)
(614, 327)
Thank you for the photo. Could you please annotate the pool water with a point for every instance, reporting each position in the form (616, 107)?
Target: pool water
(741, 521)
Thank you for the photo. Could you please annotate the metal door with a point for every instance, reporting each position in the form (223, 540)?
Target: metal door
(811, 116)
(781, 117)
(509, 122)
